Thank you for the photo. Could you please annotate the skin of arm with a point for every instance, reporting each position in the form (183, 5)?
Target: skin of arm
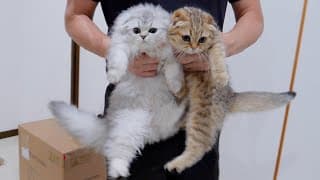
(247, 30)
(80, 27)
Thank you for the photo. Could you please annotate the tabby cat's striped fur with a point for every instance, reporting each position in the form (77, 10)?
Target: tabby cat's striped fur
(208, 93)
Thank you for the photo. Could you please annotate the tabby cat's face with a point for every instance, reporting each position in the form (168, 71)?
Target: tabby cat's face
(192, 31)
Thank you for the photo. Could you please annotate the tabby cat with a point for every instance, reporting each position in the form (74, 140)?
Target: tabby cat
(208, 93)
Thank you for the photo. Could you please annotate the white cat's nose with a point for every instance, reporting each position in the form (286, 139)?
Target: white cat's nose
(143, 37)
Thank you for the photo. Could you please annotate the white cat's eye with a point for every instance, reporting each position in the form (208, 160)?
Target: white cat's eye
(136, 30)
(152, 30)
(202, 40)
(186, 38)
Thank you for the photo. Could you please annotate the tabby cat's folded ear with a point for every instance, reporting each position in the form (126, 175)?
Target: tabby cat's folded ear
(211, 23)
(179, 17)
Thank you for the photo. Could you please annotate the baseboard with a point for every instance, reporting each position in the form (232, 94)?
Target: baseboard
(10, 133)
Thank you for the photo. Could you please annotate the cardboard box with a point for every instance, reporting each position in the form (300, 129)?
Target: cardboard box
(48, 152)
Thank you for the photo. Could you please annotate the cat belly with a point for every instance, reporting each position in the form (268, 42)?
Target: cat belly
(139, 92)
(165, 122)
(152, 95)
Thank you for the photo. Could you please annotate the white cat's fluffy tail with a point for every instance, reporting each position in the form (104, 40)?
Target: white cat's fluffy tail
(259, 101)
(86, 127)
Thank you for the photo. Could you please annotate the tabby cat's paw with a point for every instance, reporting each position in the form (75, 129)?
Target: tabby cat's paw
(114, 75)
(176, 166)
(221, 78)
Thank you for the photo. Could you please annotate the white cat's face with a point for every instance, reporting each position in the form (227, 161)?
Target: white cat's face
(145, 32)
(144, 26)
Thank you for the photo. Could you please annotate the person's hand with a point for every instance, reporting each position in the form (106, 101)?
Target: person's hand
(144, 66)
(194, 62)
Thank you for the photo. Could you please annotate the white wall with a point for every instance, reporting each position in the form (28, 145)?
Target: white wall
(249, 142)
(301, 154)
(35, 63)
(34, 60)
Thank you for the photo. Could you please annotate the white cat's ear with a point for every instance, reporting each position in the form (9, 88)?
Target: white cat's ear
(124, 29)
(122, 26)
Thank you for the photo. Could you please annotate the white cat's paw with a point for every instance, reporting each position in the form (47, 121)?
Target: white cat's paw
(114, 75)
(118, 168)
(175, 87)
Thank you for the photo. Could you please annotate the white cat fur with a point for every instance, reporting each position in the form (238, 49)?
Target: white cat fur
(141, 110)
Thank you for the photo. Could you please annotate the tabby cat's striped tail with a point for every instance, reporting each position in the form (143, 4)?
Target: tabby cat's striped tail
(259, 101)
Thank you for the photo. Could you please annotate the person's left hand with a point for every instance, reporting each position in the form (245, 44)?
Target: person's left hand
(194, 62)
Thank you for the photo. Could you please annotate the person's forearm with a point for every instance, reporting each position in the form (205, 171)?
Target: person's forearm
(248, 28)
(85, 33)
(80, 27)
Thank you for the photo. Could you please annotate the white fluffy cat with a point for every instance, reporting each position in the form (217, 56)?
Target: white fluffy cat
(142, 110)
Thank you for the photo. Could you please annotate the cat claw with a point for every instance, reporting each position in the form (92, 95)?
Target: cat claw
(174, 166)
(173, 172)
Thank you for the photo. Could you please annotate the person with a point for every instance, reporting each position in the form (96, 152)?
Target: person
(248, 28)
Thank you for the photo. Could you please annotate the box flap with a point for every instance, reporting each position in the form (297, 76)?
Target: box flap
(48, 152)
(50, 132)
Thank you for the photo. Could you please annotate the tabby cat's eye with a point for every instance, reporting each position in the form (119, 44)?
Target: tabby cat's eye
(136, 30)
(186, 38)
(152, 30)
(202, 40)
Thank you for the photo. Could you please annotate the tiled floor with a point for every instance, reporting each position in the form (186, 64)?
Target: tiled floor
(9, 152)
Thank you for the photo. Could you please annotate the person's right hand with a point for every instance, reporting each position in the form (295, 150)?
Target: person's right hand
(144, 66)
(194, 62)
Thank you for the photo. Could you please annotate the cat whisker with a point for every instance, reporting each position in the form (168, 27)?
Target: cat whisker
(179, 53)
(203, 56)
